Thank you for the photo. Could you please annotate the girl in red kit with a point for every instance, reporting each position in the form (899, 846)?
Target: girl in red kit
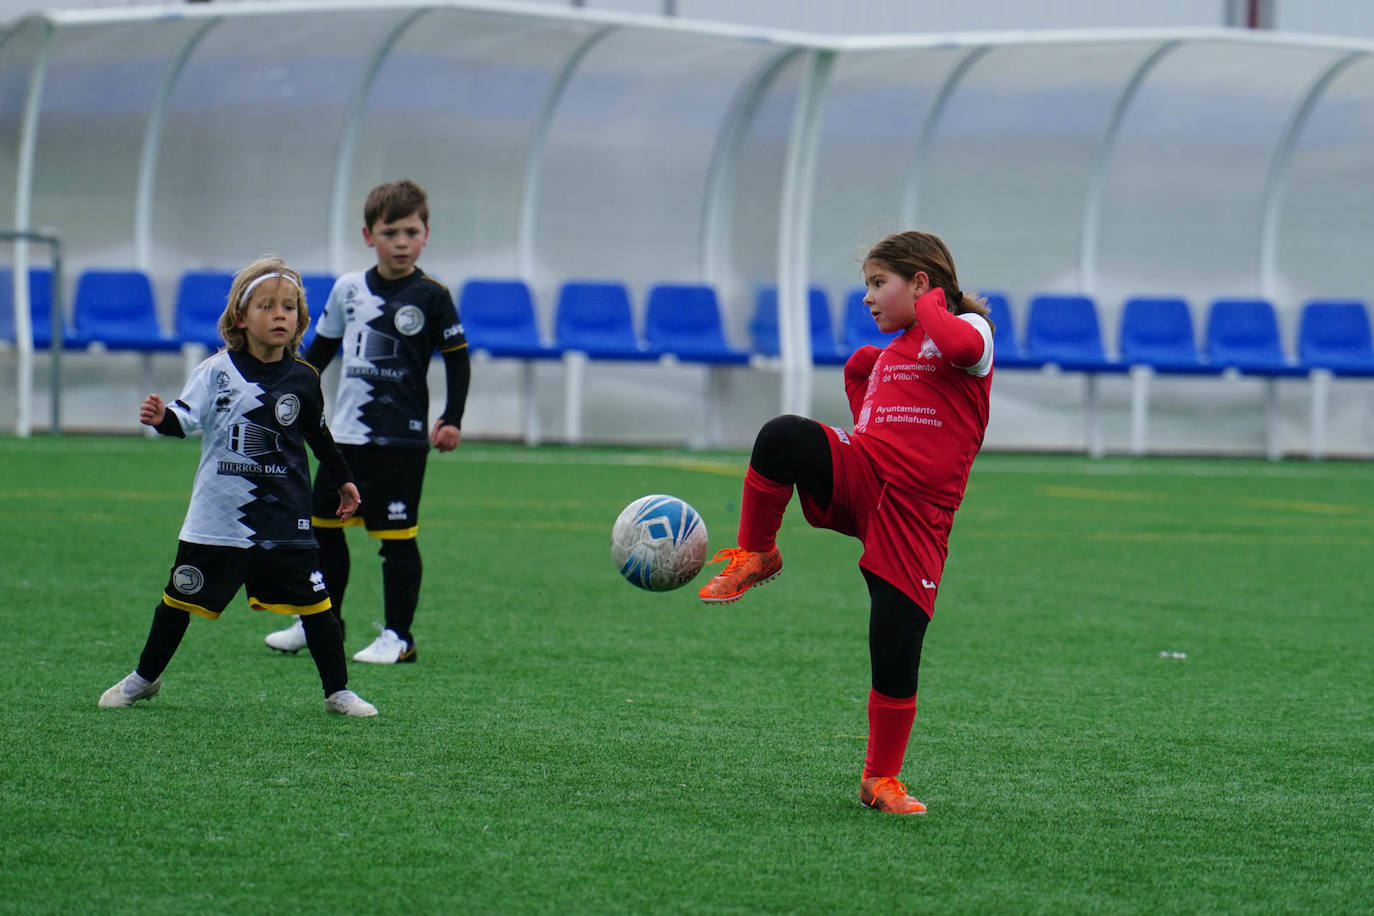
(920, 408)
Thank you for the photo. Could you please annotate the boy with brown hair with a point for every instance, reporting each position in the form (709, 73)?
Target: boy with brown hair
(388, 321)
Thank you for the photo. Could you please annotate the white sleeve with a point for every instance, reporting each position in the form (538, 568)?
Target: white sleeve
(334, 318)
(984, 364)
(196, 398)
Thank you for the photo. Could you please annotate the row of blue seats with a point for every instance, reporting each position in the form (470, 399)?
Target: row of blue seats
(595, 318)
(1241, 334)
(116, 309)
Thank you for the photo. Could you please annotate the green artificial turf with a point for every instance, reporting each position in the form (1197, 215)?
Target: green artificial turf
(567, 743)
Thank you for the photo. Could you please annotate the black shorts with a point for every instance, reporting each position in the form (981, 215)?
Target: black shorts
(204, 579)
(389, 479)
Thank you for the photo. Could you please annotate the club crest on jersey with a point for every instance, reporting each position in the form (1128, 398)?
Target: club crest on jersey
(221, 380)
(929, 350)
(187, 579)
(288, 409)
(409, 320)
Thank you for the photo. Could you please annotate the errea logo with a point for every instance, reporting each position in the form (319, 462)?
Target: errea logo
(317, 581)
(396, 511)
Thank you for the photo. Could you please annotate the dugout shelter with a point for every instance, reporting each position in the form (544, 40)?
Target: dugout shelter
(561, 145)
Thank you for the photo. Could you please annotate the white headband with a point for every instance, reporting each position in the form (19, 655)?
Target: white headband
(243, 300)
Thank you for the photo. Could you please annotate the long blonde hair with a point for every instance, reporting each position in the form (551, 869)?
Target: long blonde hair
(906, 253)
(266, 265)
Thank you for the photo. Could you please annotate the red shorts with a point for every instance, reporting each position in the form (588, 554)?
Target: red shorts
(905, 538)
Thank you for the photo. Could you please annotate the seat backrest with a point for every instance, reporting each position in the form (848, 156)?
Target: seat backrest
(1243, 332)
(1334, 333)
(859, 327)
(115, 307)
(40, 305)
(201, 298)
(1004, 343)
(594, 315)
(498, 313)
(1063, 328)
(317, 289)
(764, 328)
(1157, 331)
(682, 316)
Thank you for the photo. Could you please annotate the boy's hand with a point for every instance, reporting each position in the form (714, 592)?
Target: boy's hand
(349, 501)
(445, 436)
(152, 411)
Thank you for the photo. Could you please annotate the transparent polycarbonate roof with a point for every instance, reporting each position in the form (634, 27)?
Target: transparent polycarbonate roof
(581, 144)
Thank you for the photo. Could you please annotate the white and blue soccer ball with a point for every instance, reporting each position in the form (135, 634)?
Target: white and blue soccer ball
(659, 543)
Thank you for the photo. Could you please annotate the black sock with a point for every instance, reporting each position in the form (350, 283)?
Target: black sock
(401, 571)
(169, 625)
(335, 563)
(325, 641)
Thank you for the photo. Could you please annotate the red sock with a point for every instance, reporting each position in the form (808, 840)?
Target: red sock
(761, 510)
(889, 728)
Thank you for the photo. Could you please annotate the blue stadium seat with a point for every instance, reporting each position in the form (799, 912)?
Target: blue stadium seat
(1243, 334)
(593, 317)
(40, 306)
(115, 309)
(1335, 335)
(498, 319)
(201, 298)
(683, 320)
(317, 287)
(1064, 330)
(859, 327)
(592, 321)
(1006, 348)
(763, 327)
(1156, 337)
(1157, 331)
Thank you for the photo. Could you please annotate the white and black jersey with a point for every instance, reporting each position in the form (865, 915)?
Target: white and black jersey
(252, 488)
(388, 331)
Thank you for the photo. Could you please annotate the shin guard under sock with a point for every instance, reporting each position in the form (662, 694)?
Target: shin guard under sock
(169, 626)
(324, 639)
(761, 509)
(401, 573)
(889, 729)
(335, 563)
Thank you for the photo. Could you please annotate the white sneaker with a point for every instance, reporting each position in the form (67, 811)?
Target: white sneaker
(386, 649)
(348, 703)
(291, 639)
(132, 688)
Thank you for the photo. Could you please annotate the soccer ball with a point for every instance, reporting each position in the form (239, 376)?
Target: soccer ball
(659, 543)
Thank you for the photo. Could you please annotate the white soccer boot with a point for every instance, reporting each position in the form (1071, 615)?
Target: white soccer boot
(386, 649)
(129, 690)
(291, 639)
(348, 703)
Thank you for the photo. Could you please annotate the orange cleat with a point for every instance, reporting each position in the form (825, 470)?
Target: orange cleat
(886, 793)
(745, 570)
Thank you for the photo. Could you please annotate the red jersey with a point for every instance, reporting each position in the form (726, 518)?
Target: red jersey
(920, 405)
